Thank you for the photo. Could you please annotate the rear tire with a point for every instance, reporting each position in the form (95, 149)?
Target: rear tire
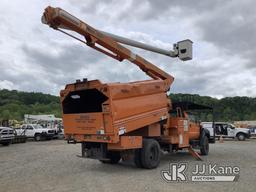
(150, 154)
(240, 136)
(6, 143)
(204, 148)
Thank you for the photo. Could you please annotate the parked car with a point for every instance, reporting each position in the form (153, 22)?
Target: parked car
(253, 131)
(36, 131)
(6, 135)
(60, 132)
(226, 130)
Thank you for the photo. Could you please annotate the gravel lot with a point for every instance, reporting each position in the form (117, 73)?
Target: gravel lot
(53, 166)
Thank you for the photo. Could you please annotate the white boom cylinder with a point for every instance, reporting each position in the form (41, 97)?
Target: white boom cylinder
(140, 45)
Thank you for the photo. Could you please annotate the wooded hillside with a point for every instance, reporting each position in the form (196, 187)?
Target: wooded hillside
(226, 109)
(14, 104)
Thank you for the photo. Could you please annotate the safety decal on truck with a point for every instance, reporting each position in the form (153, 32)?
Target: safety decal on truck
(185, 124)
(163, 118)
(122, 130)
(101, 132)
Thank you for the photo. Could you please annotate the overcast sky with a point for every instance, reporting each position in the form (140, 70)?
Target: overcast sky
(34, 57)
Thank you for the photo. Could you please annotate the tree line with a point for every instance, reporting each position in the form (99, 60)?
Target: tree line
(225, 109)
(14, 104)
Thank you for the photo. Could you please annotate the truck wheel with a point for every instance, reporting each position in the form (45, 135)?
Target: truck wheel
(113, 157)
(6, 143)
(240, 136)
(137, 158)
(37, 137)
(204, 148)
(150, 154)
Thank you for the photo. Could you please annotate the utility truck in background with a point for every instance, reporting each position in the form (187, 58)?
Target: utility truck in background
(226, 130)
(115, 121)
(35, 131)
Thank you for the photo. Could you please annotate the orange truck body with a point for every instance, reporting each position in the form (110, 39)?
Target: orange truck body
(121, 109)
(110, 119)
(108, 113)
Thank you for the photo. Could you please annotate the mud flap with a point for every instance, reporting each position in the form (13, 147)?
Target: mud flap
(94, 150)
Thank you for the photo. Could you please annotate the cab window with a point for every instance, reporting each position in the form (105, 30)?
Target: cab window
(29, 127)
(23, 127)
(230, 126)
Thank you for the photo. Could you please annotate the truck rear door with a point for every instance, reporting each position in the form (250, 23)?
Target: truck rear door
(83, 113)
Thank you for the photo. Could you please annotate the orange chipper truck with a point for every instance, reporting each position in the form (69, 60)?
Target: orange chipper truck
(115, 121)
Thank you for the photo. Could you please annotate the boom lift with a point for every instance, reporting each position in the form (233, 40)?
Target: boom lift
(124, 120)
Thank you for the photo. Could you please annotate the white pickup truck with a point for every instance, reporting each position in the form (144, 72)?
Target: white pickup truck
(226, 130)
(36, 131)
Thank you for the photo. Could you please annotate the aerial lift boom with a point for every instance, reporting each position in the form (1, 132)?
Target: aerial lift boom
(59, 19)
(114, 120)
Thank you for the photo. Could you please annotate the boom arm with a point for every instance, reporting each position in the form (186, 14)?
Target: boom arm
(59, 19)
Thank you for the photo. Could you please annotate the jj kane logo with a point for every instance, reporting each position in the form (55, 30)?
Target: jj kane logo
(178, 172)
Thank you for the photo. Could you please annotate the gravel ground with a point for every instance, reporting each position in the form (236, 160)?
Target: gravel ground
(53, 166)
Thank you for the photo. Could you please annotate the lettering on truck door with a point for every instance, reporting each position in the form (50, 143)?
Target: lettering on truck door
(231, 131)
